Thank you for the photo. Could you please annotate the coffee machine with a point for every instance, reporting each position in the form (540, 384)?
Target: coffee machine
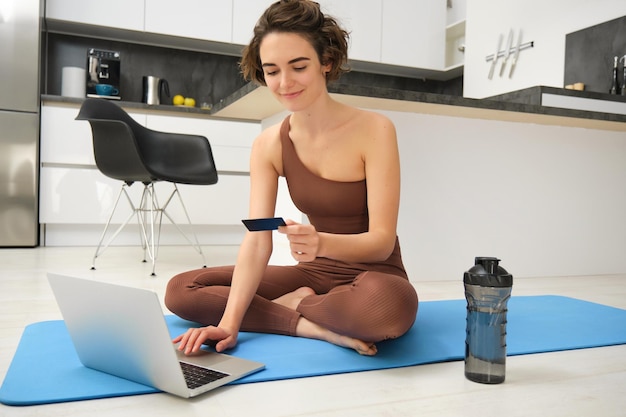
(103, 67)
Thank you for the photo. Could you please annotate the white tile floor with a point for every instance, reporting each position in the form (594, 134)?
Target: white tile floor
(589, 382)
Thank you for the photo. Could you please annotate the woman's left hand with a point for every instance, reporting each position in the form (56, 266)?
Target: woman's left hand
(304, 241)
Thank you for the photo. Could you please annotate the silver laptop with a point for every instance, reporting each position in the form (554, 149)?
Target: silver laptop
(122, 331)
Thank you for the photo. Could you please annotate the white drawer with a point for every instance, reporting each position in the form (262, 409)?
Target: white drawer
(86, 196)
(65, 140)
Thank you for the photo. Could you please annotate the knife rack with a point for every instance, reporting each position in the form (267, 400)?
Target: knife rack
(502, 53)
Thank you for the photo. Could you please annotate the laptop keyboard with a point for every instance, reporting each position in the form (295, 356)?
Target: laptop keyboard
(197, 376)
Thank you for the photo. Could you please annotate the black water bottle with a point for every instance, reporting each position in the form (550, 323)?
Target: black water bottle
(487, 290)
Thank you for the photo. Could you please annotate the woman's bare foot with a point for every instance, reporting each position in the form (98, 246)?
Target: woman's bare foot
(292, 299)
(306, 328)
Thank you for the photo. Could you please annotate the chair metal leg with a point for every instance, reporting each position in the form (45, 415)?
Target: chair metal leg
(152, 212)
(195, 243)
(100, 248)
(149, 214)
(145, 218)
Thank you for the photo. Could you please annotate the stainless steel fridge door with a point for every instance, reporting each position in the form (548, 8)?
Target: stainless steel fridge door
(19, 54)
(18, 179)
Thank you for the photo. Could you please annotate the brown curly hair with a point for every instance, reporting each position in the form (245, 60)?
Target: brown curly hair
(305, 18)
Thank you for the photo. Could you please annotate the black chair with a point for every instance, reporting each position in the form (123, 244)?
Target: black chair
(129, 152)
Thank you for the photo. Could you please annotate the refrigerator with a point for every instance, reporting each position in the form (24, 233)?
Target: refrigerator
(20, 39)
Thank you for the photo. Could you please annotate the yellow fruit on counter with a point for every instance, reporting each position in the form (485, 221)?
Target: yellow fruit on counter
(190, 102)
(178, 100)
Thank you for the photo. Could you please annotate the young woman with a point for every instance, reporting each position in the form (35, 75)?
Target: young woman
(341, 164)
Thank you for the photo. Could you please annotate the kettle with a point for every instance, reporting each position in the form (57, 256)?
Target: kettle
(152, 89)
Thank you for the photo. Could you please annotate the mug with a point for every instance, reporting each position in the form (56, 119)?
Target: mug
(106, 90)
(73, 82)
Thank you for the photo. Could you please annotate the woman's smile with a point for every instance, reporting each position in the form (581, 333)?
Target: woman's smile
(291, 96)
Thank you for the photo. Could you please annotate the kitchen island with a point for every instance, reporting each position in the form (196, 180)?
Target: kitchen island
(542, 188)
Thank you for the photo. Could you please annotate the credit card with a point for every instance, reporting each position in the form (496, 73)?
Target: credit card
(257, 225)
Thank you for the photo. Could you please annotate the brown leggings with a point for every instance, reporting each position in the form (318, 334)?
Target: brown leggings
(367, 305)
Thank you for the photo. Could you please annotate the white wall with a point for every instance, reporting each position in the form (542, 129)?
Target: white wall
(544, 22)
(547, 200)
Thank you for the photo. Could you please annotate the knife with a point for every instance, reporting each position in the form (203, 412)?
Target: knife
(507, 51)
(495, 57)
(516, 53)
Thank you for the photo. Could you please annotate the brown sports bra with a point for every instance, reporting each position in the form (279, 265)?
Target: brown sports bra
(331, 206)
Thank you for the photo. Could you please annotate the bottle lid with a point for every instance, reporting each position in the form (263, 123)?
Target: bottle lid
(487, 272)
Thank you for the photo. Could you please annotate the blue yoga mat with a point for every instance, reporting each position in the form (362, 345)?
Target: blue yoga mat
(45, 368)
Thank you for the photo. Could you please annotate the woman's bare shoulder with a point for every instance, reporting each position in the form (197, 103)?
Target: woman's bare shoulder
(267, 147)
(373, 125)
(270, 134)
(376, 119)
(267, 140)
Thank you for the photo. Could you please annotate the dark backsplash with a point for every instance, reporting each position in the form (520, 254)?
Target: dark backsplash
(589, 54)
(204, 76)
(452, 87)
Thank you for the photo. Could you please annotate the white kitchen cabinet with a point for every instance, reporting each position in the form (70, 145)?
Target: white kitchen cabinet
(198, 19)
(245, 15)
(414, 33)
(78, 195)
(122, 14)
(65, 140)
(395, 32)
(362, 19)
(74, 192)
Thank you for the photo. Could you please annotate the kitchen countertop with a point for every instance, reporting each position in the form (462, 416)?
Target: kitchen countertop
(564, 98)
(162, 109)
(255, 103)
(532, 95)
